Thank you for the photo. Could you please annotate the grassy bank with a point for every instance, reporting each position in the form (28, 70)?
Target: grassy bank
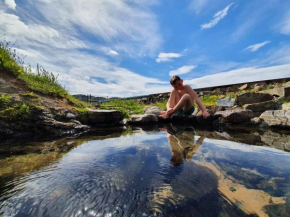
(41, 81)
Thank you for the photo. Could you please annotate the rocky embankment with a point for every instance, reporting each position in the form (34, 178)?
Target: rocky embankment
(251, 106)
(24, 113)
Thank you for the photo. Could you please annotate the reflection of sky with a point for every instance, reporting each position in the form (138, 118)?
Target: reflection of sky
(271, 160)
(133, 173)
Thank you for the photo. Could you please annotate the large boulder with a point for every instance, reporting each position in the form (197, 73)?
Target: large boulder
(262, 106)
(143, 119)
(277, 118)
(106, 117)
(281, 91)
(152, 110)
(235, 116)
(226, 102)
(249, 98)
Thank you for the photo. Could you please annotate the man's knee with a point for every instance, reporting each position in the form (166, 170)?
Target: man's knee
(186, 96)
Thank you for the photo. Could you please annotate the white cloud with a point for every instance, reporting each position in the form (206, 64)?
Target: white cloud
(285, 25)
(128, 27)
(217, 17)
(197, 5)
(182, 70)
(256, 47)
(123, 25)
(35, 34)
(241, 75)
(11, 4)
(165, 57)
(113, 53)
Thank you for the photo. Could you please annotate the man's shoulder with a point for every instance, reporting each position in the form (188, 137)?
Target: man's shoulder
(173, 91)
(187, 86)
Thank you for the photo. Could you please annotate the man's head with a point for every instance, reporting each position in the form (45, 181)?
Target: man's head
(176, 82)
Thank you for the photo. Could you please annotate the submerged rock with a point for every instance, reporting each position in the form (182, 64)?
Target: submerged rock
(235, 116)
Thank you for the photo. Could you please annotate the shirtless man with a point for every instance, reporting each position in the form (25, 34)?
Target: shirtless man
(181, 100)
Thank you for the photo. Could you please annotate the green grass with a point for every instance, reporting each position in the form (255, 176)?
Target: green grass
(125, 106)
(4, 100)
(162, 104)
(41, 81)
(209, 100)
(284, 101)
(16, 112)
(83, 115)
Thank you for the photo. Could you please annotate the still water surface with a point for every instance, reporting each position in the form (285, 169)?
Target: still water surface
(137, 173)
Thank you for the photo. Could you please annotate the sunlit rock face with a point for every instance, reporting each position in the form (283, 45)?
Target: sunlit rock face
(278, 118)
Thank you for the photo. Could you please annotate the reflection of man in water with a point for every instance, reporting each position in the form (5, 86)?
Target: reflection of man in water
(182, 145)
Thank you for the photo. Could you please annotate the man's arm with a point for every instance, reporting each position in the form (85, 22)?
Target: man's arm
(170, 103)
(194, 96)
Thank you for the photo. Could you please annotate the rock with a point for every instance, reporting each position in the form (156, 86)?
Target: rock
(255, 121)
(41, 123)
(226, 102)
(235, 116)
(249, 98)
(257, 88)
(276, 140)
(262, 106)
(281, 91)
(215, 91)
(232, 89)
(152, 110)
(123, 122)
(181, 119)
(286, 106)
(214, 109)
(277, 118)
(143, 119)
(144, 100)
(243, 87)
(70, 116)
(104, 117)
(286, 84)
(75, 121)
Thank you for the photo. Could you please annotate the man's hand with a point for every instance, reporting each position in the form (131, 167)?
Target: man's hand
(205, 114)
(170, 111)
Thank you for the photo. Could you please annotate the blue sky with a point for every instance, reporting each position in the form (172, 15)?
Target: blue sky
(132, 47)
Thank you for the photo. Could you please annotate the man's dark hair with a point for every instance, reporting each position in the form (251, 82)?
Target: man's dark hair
(174, 79)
